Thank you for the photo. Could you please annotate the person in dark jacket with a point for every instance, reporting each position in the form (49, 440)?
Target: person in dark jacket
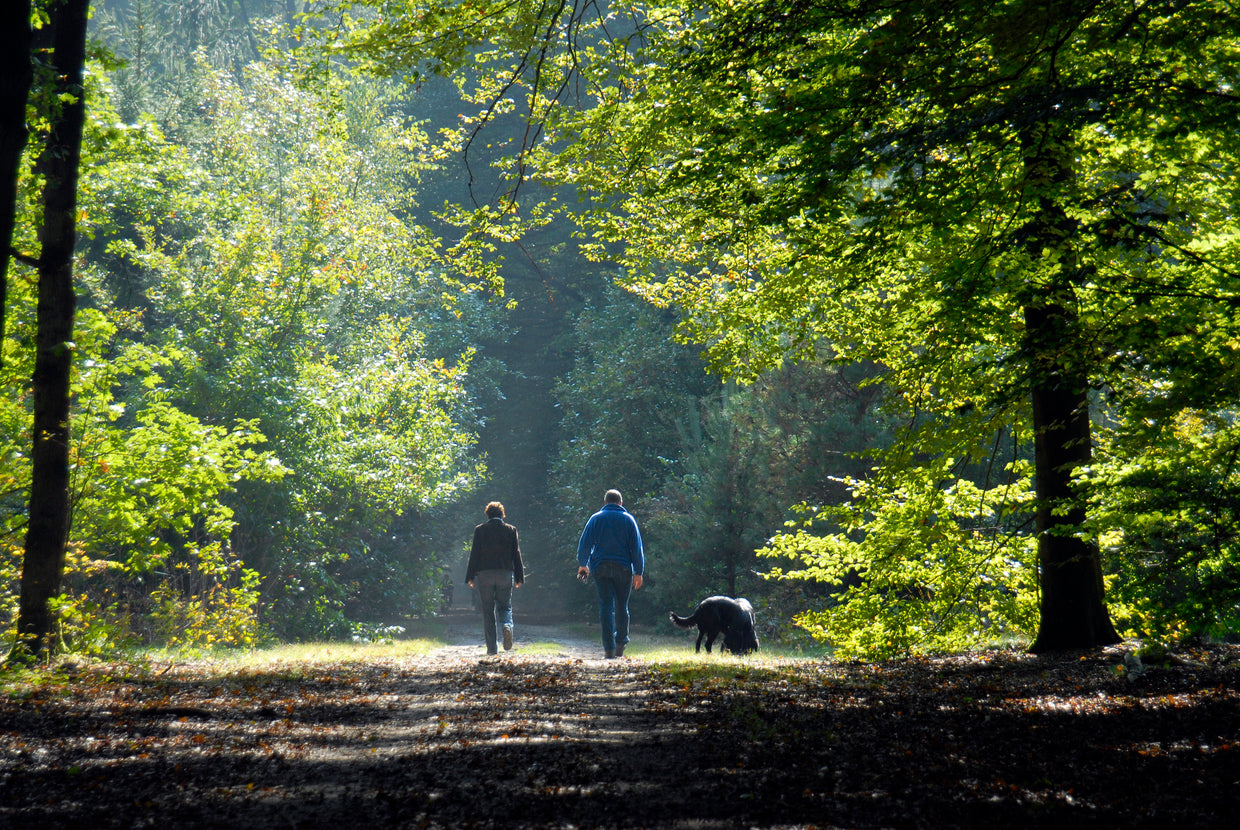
(494, 569)
(610, 548)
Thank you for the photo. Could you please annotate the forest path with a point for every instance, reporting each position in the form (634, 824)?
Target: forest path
(551, 739)
(463, 631)
(534, 737)
(528, 738)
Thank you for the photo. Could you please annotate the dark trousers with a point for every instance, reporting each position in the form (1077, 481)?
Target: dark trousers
(614, 582)
(495, 592)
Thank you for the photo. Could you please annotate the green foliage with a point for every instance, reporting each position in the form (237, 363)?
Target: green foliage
(147, 491)
(708, 469)
(10, 577)
(721, 501)
(793, 435)
(625, 406)
(1168, 514)
(928, 564)
(152, 511)
(294, 291)
(628, 398)
(224, 615)
(249, 276)
(146, 479)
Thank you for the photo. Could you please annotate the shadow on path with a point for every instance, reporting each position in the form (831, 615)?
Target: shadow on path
(527, 740)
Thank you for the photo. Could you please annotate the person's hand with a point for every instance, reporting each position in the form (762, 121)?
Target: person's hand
(470, 583)
(517, 584)
(637, 581)
(583, 573)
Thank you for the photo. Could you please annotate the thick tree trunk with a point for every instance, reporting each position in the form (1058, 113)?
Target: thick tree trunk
(1070, 574)
(47, 533)
(16, 70)
(1072, 613)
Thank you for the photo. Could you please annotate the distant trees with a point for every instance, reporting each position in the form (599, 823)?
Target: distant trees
(628, 404)
(709, 468)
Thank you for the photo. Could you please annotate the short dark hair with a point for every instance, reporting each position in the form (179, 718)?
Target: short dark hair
(495, 510)
(612, 497)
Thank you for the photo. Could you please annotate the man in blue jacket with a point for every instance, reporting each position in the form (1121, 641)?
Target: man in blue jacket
(611, 549)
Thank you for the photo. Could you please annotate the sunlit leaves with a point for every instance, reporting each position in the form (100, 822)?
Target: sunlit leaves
(256, 369)
(930, 563)
(297, 294)
(388, 409)
(299, 254)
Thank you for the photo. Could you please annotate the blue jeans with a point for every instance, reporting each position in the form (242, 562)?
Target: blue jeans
(614, 583)
(495, 592)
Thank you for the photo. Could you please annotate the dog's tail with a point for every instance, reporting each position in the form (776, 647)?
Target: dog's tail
(682, 622)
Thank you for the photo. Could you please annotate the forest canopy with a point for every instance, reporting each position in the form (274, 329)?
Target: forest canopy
(915, 323)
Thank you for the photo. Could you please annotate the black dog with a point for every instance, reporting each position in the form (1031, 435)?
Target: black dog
(733, 618)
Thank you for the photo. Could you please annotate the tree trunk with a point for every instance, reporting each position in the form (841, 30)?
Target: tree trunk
(48, 531)
(1070, 574)
(16, 69)
(1072, 613)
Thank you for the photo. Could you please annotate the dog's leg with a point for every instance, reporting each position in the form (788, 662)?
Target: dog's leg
(698, 647)
(711, 640)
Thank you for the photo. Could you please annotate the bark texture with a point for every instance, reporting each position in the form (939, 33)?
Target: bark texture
(47, 533)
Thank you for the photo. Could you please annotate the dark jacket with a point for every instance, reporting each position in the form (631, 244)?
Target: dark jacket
(495, 548)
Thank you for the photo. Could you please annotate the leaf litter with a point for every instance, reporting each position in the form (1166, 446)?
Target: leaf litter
(566, 740)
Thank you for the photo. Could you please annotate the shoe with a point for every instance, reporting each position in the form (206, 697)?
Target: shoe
(507, 639)
(610, 655)
(620, 651)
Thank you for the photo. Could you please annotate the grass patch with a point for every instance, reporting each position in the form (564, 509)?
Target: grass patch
(670, 654)
(328, 652)
(547, 647)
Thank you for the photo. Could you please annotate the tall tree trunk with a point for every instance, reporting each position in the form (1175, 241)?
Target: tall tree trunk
(1070, 574)
(16, 69)
(47, 533)
(1072, 613)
